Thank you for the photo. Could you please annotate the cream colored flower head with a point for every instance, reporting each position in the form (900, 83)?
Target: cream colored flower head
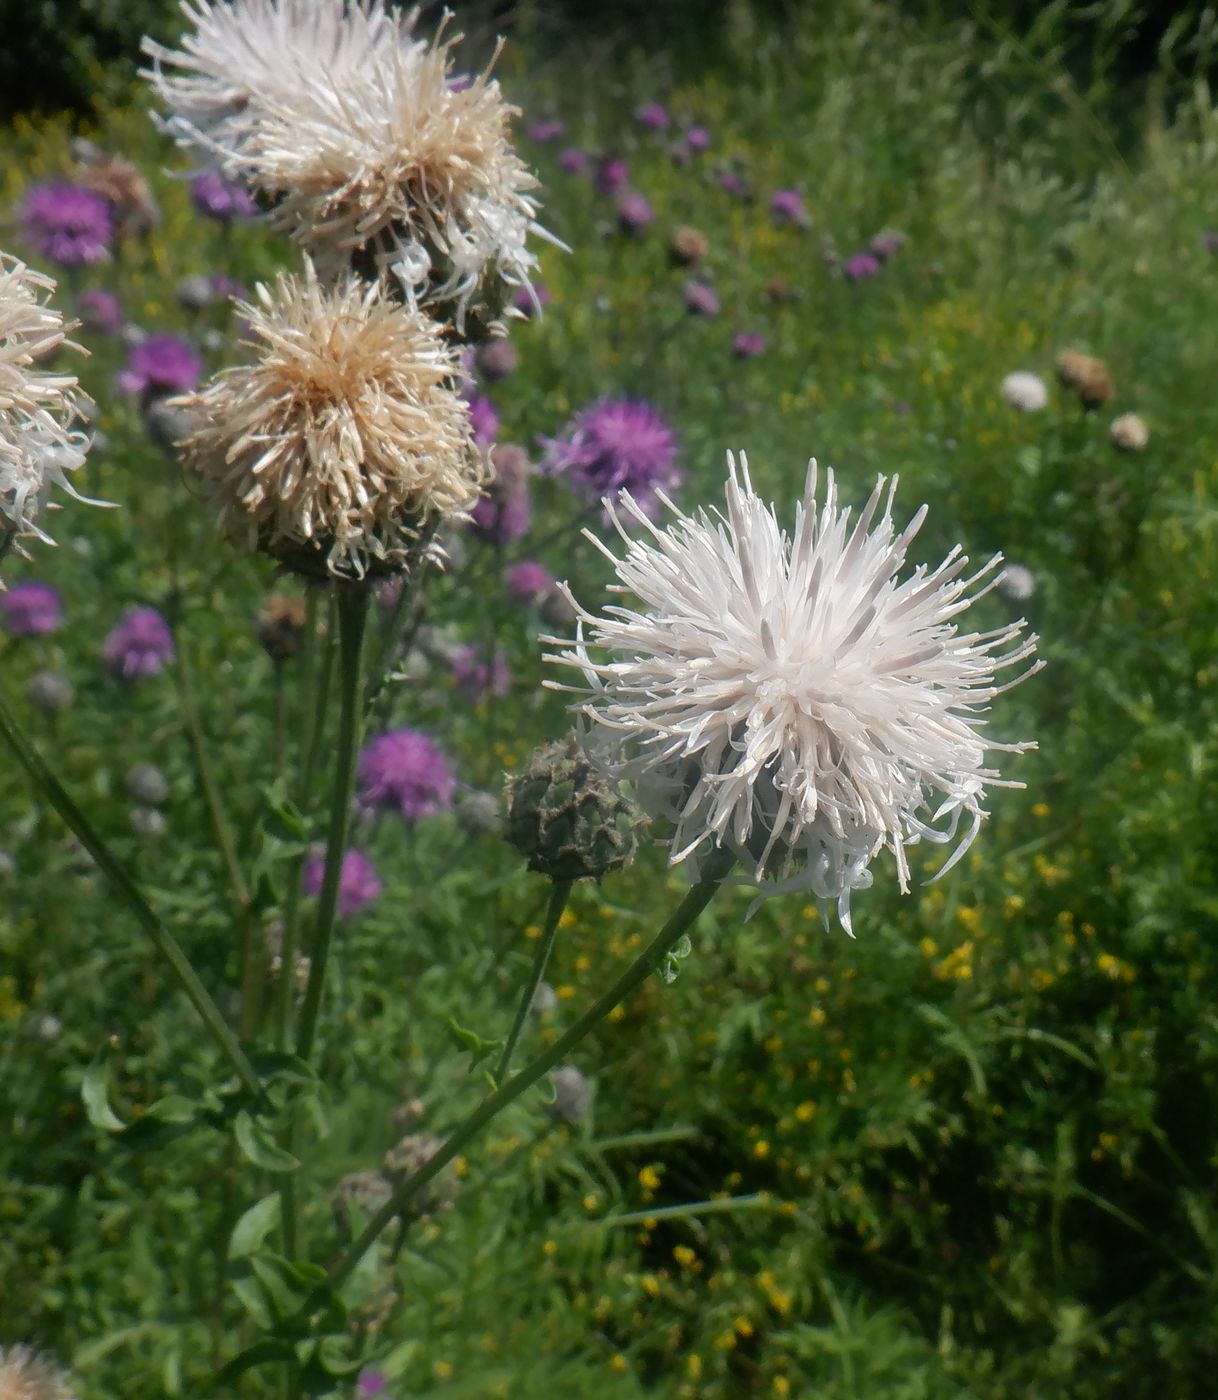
(344, 445)
(40, 441)
(26, 1376)
(377, 158)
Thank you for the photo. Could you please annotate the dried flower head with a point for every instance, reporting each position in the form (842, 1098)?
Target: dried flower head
(355, 134)
(281, 625)
(344, 444)
(1087, 376)
(1129, 433)
(688, 246)
(786, 696)
(24, 1375)
(123, 186)
(1025, 391)
(39, 408)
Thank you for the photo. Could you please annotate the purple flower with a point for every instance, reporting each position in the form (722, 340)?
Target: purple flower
(403, 771)
(612, 175)
(460, 82)
(162, 364)
(860, 267)
(69, 224)
(477, 678)
(529, 582)
(617, 444)
(787, 206)
(701, 299)
(653, 116)
(227, 287)
(748, 344)
(502, 515)
(634, 212)
(31, 609)
(217, 197)
(527, 304)
(547, 129)
(371, 1383)
(1210, 241)
(140, 645)
(484, 419)
(100, 311)
(887, 244)
(733, 183)
(358, 882)
(697, 138)
(573, 160)
(497, 359)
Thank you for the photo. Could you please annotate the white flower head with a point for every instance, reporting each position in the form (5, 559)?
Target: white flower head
(40, 442)
(1025, 391)
(366, 149)
(789, 697)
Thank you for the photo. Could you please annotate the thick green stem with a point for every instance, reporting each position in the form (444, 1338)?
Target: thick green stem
(352, 615)
(123, 886)
(558, 902)
(634, 976)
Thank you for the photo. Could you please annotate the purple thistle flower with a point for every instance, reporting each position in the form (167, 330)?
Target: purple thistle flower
(701, 299)
(547, 129)
(161, 364)
(860, 267)
(483, 419)
(634, 212)
(698, 139)
(612, 175)
(787, 206)
(617, 444)
(478, 678)
(573, 160)
(525, 304)
(227, 287)
(139, 646)
(31, 609)
(217, 197)
(69, 224)
(403, 771)
(502, 515)
(371, 1383)
(748, 344)
(100, 311)
(358, 882)
(887, 244)
(529, 582)
(653, 116)
(497, 359)
(733, 182)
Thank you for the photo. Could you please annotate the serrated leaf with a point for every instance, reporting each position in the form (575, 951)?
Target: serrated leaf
(259, 1147)
(95, 1094)
(252, 1229)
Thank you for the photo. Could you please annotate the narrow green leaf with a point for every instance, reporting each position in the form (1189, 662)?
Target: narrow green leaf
(95, 1093)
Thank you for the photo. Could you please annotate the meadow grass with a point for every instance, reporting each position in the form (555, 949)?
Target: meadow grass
(967, 1153)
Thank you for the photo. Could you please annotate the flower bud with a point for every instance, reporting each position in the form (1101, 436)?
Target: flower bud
(570, 821)
(362, 1192)
(147, 823)
(281, 625)
(1129, 433)
(571, 1094)
(49, 692)
(146, 784)
(479, 814)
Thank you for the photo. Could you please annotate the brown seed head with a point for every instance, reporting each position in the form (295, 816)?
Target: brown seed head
(688, 246)
(1087, 376)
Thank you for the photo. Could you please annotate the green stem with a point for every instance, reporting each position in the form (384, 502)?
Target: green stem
(321, 693)
(635, 975)
(558, 902)
(162, 939)
(352, 615)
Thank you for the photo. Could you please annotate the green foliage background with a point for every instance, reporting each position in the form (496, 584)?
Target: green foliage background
(970, 1152)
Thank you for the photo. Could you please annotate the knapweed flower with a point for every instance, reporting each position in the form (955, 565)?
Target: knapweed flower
(31, 609)
(653, 116)
(860, 267)
(360, 143)
(612, 175)
(484, 419)
(1087, 376)
(40, 409)
(746, 345)
(887, 243)
(343, 445)
(634, 212)
(688, 246)
(100, 311)
(358, 883)
(404, 771)
(698, 139)
(160, 365)
(616, 445)
(24, 1375)
(547, 129)
(502, 515)
(497, 359)
(573, 161)
(788, 697)
(140, 645)
(529, 582)
(477, 676)
(68, 224)
(1025, 391)
(216, 197)
(787, 206)
(701, 299)
(1129, 433)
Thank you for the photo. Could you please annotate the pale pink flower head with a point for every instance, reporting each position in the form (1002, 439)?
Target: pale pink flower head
(358, 883)
(31, 609)
(617, 445)
(529, 582)
(141, 645)
(160, 365)
(69, 224)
